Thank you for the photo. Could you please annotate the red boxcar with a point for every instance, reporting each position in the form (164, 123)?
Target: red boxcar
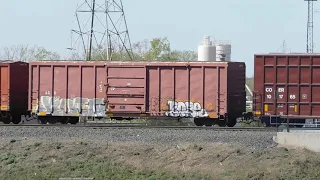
(206, 91)
(287, 86)
(62, 90)
(13, 90)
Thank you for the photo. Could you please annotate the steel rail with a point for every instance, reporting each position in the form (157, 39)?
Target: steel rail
(140, 126)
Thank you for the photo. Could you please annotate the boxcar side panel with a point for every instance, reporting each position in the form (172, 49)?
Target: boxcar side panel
(174, 90)
(33, 89)
(19, 79)
(236, 89)
(5, 92)
(126, 89)
(287, 85)
(153, 87)
(62, 89)
(196, 86)
(166, 86)
(4, 88)
(188, 91)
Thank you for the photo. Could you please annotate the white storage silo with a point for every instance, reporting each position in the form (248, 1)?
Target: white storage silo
(223, 51)
(206, 50)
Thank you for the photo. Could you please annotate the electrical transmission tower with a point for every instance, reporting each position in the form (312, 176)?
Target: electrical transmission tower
(310, 27)
(101, 32)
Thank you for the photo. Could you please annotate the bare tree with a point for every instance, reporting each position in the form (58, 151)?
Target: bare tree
(26, 53)
(184, 55)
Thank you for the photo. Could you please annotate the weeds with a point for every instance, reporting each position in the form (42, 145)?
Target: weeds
(37, 144)
(141, 162)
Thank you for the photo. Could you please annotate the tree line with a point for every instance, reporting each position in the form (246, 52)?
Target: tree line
(156, 49)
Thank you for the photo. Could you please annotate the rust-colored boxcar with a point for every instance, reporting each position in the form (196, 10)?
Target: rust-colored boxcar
(206, 91)
(13, 90)
(63, 90)
(287, 86)
(210, 92)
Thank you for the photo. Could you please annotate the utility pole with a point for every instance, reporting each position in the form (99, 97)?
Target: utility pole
(310, 26)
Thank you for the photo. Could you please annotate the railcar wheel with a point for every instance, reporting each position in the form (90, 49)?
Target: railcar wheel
(6, 120)
(221, 123)
(42, 120)
(16, 119)
(198, 122)
(73, 120)
(16, 122)
(208, 122)
(64, 121)
(52, 121)
(231, 122)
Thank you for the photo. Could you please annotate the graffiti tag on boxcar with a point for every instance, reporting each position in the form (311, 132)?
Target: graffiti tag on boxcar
(185, 109)
(65, 107)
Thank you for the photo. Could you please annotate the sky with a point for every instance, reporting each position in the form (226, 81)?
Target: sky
(251, 26)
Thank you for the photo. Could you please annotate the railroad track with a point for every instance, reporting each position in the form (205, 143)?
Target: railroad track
(142, 125)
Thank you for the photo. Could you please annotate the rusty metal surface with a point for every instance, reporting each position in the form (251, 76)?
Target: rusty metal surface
(287, 85)
(5, 85)
(129, 89)
(14, 86)
(176, 89)
(67, 88)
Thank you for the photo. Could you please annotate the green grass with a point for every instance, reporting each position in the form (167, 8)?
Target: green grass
(91, 167)
(104, 160)
(33, 162)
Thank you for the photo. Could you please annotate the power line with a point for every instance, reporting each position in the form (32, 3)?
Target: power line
(102, 30)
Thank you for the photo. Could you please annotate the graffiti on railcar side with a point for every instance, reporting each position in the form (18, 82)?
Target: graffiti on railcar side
(64, 107)
(185, 109)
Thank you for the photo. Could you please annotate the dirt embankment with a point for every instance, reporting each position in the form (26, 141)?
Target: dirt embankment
(29, 159)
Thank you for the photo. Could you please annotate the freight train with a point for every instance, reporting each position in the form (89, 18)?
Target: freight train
(66, 91)
(286, 87)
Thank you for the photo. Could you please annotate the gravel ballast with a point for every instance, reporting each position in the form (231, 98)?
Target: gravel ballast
(249, 139)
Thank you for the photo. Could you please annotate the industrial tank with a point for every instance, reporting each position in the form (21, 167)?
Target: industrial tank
(206, 50)
(223, 51)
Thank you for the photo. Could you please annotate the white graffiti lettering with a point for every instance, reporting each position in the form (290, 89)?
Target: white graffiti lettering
(62, 106)
(185, 109)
